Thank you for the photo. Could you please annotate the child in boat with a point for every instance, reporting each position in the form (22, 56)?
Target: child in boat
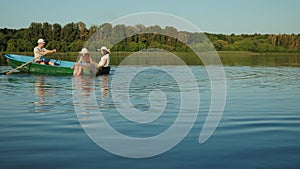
(84, 61)
(39, 53)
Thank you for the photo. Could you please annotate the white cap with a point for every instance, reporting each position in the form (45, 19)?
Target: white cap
(84, 51)
(41, 41)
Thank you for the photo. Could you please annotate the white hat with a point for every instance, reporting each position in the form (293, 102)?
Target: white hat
(41, 41)
(104, 48)
(84, 51)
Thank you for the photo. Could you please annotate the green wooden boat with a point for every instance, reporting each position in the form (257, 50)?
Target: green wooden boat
(64, 67)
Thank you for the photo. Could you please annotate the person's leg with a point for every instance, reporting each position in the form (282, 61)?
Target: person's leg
(79, 70)
(51, 63)
(75, 71)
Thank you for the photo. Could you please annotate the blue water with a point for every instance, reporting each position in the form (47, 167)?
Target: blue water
(260, 127)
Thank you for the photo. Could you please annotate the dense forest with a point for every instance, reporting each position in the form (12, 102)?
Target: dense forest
(72, 37)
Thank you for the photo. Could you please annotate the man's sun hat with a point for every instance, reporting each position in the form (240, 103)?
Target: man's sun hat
(41, 41)
(84, 51)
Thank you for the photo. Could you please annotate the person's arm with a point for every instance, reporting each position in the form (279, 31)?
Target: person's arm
(46, 51)
(79, 61)
(50, 51)
(42, 53)
(91, 60)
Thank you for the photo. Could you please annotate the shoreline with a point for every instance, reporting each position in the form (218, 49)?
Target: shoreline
(220, 53)
(227, 57)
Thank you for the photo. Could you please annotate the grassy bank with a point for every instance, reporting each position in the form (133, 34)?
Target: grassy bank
(243, 53)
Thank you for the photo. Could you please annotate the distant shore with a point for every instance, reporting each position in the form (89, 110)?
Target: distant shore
(227, 57)
(220, 53)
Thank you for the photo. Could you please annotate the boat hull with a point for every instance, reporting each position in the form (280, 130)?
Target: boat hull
(64, 68)
(103, 71)
(41, 69)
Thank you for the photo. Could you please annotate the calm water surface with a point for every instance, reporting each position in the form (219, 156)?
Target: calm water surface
(260, 127)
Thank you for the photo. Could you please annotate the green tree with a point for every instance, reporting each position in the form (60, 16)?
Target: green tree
(197, 37)
(118, 34)
(106, 30)
(141, 46)
(11, 46)
(154, 29)
(53, 45)
(220, 44)
(132, 47)
(140, 27)
(72, 36)
(23, 45)
(56, 33)
(47, 31)
(76, 45)
(70, 32)
(2, 42)
(34, 32)
(83, 31)
(92, 30)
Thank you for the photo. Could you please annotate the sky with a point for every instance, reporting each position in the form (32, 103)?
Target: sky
(213, 16)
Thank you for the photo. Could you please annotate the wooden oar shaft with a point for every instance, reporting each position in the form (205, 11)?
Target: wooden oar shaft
(19, 67)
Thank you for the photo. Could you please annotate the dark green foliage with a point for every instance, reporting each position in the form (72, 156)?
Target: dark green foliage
(73, 36)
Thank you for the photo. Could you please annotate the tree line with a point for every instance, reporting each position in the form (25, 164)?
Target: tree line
(73, 36)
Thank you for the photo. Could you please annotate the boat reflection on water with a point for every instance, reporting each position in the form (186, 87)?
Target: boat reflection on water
(85, 93)
(82, 90)
(41, 93)
(104, 103)
(105, 87)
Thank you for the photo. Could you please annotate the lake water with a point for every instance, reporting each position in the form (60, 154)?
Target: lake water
(260, 126)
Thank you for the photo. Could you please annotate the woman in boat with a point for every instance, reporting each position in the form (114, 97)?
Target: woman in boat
(84, 61)
(39, 53)
(104, 62)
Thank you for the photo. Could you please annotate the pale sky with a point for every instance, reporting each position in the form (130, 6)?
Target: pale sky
(213, 16)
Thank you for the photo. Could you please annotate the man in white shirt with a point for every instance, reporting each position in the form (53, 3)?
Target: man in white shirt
(39, 53)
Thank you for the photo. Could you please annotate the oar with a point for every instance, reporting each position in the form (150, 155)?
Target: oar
(19, 67)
